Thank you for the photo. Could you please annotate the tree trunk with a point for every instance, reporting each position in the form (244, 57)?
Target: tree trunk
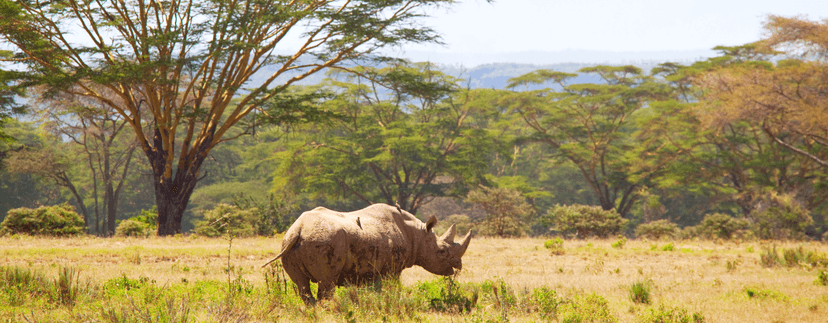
(173, 191)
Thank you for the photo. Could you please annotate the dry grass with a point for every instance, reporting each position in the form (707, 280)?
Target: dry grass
(702, 276)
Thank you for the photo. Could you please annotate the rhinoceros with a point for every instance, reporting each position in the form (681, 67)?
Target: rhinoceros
(336, 248)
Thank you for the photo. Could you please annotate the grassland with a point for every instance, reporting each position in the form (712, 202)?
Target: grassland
(193, 279)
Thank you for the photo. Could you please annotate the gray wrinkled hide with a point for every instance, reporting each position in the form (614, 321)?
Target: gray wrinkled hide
(336, 248)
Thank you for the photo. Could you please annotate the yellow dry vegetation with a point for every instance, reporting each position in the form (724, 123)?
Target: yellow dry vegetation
(709, 277)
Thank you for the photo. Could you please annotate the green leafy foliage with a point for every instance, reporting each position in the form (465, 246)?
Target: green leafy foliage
(585, 221)
(424, 138)
(720, 226)
(506, 211)
(228, 219)
(781, 217)
(657, 230)
(58, 220)
(585, 125)
(142, 225)
(547, 302)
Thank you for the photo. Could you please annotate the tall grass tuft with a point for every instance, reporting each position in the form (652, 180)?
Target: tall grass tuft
(67, 286)
(394, 302)
(19, 284)
(640, 292)
(793, 257)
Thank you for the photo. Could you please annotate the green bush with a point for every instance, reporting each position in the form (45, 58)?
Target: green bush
(507, 212)
(720, 226)
(584, 221)
(670, 315)
(546, 300)
(586, 308)
(143, 225)
(133, 228)
(225, 218)
(781, 217)
(57, 220)
(657, 230)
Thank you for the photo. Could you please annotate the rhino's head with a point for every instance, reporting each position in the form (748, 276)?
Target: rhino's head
(441, 255)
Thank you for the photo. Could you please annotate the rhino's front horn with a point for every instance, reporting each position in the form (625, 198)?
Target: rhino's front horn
(465, 244)
(449, 235)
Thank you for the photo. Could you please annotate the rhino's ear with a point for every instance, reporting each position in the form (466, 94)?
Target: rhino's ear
(432, 221)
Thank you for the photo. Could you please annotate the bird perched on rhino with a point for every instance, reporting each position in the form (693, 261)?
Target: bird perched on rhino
(334, 248)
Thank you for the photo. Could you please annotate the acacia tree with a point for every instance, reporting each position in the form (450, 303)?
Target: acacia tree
(719, 128)
(787, 100)
(97, 130)
(589, 125)
(404, 136)
(180, 67)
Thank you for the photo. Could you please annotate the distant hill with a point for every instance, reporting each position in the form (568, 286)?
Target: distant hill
(496, 75)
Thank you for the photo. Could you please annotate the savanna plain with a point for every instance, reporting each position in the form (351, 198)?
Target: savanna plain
(196, 279)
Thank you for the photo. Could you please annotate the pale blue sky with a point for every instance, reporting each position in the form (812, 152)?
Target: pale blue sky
(482, 31)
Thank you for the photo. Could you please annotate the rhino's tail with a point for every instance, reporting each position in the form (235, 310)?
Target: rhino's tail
(290, 240)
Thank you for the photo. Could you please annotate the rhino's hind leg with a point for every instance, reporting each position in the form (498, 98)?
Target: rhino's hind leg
(301, 279)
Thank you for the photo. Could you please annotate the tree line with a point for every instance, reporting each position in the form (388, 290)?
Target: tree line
(726, 135)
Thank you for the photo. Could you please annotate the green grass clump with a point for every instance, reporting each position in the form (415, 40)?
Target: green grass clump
(793, 258)
(446, 295)
(555, 246)
(619, 244)
(764, 294)
(670, 315)
(19, 286)
(640, 292)
(822, 278)
(668, 247)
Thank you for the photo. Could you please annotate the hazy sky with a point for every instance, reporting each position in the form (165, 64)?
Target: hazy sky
(480, 29)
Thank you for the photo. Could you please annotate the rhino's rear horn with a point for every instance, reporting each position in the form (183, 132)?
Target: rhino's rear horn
(465, 244)
(449, 235)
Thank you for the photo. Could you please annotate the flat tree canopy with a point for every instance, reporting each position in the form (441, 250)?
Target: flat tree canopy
(178, 68)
